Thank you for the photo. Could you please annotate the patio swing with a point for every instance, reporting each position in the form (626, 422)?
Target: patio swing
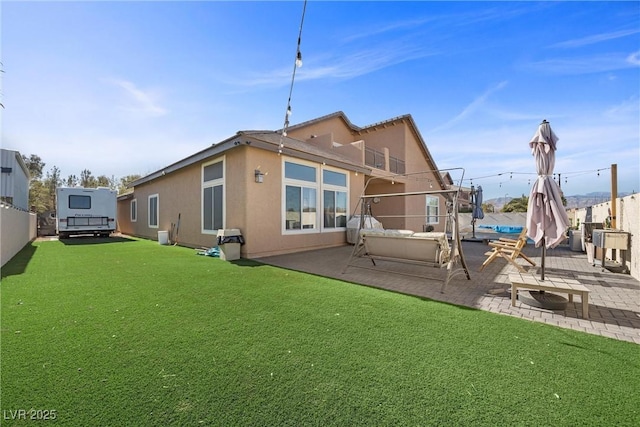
(442, 250)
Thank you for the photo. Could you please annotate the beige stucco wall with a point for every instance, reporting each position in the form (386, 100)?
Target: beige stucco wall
(402, 143)
(178, 193)
(333, 126)
(17, 229)
(123, 224)
(263, 223)
(254, 208)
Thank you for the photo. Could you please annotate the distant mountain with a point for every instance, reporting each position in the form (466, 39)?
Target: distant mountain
(590, 199)
(576, 201)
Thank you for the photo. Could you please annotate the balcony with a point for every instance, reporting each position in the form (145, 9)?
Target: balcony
(382, 160)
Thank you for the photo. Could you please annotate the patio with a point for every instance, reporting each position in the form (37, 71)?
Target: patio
(614, 300)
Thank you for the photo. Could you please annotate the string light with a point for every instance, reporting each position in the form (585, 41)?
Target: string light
(565, 174)
(297, 64)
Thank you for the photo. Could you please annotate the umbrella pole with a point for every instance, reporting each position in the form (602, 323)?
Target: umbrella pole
(544, 254)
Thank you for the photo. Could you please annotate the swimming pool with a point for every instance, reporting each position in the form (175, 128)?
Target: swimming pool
(508, 229)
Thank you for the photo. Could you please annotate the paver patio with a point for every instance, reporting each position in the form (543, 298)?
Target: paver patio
(614, 300)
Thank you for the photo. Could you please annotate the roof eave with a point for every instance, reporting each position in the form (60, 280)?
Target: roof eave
(213, 150)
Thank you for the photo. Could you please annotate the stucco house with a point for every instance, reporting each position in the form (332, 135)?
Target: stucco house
(287, 193)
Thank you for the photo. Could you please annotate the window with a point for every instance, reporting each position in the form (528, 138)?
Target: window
(79, 202)
(433, 210)
(153, 211)
(334, 199)
(134, 210)
(300, 197)
(304, 193)
(213, 196)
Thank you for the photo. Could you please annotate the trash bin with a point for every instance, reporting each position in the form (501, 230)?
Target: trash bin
(575, 240)
(229, 241)
(163, 237)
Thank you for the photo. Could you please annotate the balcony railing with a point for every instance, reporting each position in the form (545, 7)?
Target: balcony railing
(396, 165)
(376, 159)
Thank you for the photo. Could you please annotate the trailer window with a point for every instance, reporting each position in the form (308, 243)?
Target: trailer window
(79, 202)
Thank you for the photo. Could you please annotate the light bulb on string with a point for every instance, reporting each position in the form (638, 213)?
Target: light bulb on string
(298, 64)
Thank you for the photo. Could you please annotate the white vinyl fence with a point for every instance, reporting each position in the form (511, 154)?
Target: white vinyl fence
(17, 229)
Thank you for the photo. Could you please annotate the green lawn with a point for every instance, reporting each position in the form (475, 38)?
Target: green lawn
(132, 333)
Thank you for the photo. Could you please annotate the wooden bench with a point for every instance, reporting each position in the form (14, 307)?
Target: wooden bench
(568, 286)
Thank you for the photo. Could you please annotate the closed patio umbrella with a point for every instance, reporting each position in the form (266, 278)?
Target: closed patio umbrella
(547, 219)
(476, 199)
(477, 204)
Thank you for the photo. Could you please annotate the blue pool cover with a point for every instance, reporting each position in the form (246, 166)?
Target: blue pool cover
(510, 229)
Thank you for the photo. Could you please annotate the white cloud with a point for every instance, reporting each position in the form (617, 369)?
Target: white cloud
(345, 65)
(144, 103)
(628, 108)
(634, 58)
(472, 107)
(585, 64)
(596, 38)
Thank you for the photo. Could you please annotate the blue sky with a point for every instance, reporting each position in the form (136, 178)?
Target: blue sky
(125, 88)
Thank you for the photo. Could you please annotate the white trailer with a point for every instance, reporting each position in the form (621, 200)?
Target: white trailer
(85, 211)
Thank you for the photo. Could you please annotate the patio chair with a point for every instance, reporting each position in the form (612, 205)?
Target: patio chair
(510, 250)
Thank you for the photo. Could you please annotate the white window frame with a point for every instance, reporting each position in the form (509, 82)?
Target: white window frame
(157, 197)
(213, 183)
(430, 217)
(133, 211)
(302, 184)
(334, 188)
(319, 188)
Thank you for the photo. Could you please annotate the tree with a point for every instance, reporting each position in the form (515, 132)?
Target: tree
(72, 181)
(105, 181)
(52, 182)
(42, 191)
(39, 196)
(87, 180)
(35, 165)
(519, 204)
(488, 207)
(125, 181)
